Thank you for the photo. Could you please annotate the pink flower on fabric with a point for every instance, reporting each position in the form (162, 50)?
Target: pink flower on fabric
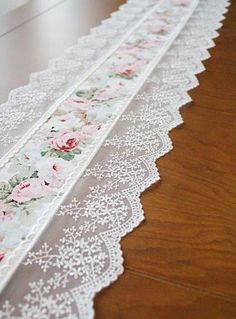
(65, 141)
(79, 102)
(158, 28)
(180, 2)
(5, 212)
(141, 63)
(105, 94)
(3, 207)
(53, 171)
(90, 129)
(129, 49)
(147, 44)
(118, 85)
(125, 70)
(31, 188)
(1, 256)
(160, 16)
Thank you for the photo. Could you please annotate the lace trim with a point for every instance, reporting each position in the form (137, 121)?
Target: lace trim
(49, 206)
(130, 171)
(34, 103)
(181, 64)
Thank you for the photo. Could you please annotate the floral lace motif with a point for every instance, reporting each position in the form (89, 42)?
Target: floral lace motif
(41, 302)
(27, 104)
(78, 257)
(99, 208)
(65, 272)
(35, 179)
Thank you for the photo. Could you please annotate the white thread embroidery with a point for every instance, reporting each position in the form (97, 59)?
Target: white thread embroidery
(99, 208)
(123, 181)
(78, 257)
(42, 304)
(30, 101)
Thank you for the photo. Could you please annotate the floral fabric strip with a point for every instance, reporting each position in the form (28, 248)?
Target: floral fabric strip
(78, 253)
(41, 172)
(27, 105)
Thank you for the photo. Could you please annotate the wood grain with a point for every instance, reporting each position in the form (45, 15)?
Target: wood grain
(40, 31)
(184, 255)
(139, 297)
(181, 262)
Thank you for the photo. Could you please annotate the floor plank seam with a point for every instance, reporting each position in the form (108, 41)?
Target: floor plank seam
(179, 284)
(30, 19)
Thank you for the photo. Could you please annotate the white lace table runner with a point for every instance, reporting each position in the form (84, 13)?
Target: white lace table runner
(70, 179)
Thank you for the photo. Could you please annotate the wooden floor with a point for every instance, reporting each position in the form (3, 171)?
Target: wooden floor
(181, 263)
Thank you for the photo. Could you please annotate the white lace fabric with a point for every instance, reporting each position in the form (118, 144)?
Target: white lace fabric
(79, 253)
(34, 181)
(30, 105)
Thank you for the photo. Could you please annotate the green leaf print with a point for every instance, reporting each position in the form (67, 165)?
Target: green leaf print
(5, 190)
(87, 94)
(15, 180)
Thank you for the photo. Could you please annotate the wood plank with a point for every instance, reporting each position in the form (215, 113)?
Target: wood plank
(15, 13)
(30, 46)
(189, 234)
(188, 237)
(183, 255)
(137, 297)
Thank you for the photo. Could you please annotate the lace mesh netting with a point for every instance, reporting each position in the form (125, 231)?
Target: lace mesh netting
(79, 252)
(29, 104)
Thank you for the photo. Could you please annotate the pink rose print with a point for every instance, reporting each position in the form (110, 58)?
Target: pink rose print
(31, 188)
(1, 256)
(79, 102)
(141, 63)
(3, 207)
(63, 121)
(129, 49)
(148, 44)
(126, 71)
(65, 141)
(53, 171)
(160, 16)
(158, 29)
(90, 129)
(5, 213)
(118, 85)
(180, 2)
(105, 94)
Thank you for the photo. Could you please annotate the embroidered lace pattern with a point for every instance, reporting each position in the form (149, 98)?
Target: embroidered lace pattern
(79, 253)
(29, 104)
(35, 180)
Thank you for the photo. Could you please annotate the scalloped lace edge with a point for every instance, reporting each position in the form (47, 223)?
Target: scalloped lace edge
(84, 295)
(20, 252)
(93, 45)
(90, 152)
